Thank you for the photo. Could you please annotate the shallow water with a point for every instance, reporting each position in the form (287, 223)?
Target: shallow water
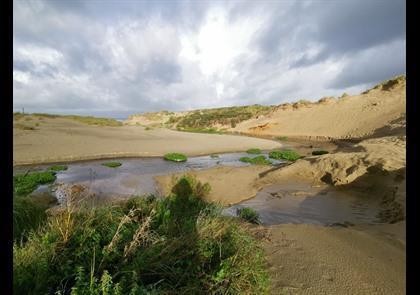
(286, 203)
(134, 176)
(302, 203)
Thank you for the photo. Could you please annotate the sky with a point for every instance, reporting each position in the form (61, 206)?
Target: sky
(116, 58)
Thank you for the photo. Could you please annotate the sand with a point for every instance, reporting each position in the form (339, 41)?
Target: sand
(356, 116)
(310, 259)
(304, 259)
(61, 140)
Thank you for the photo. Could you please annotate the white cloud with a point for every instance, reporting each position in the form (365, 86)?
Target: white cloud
(73, 59)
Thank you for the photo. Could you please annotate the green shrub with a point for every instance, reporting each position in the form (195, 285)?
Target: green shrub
(28, 215)
(57, 168)
(24, 184)
(317, 153)
(285, 155)
(143, 246)
(175, 157)
(254, 151)
(229, 116)
(259, 160)
(112, 164)
(23, 127)
(214, 156)
(248, 214)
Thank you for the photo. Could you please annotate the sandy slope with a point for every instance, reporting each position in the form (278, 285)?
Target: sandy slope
(310, 259)
(349, 117)
(62, 139)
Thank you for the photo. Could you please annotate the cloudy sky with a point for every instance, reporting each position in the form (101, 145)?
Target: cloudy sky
(114, 58)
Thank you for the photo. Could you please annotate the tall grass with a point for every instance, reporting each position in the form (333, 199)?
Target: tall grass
(176, 245)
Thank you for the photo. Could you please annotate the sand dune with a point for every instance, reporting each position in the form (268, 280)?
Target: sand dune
(349, 117)
(60, 139)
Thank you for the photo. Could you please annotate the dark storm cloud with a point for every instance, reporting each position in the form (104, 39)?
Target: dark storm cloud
(121, 57)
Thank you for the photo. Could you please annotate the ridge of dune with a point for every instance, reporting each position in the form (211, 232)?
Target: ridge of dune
(355, 116)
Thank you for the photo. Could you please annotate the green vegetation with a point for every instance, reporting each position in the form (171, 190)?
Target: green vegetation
(90, 120)
(24, 184)
(175, 157)
(57, 168)
(95, 121)
(112, 164)
(173, 245)
(248, 214)
(229, 116)
(259, 160)
(317, 153)
(148, 128)
(214, 156)
(254, 151)
(283, 138)
(23, 127)
(200, 130)
(28, 215)
(285, 155)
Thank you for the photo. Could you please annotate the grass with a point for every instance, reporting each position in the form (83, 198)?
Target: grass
(254, 151)
(259, 160)
(90, 120)
(57, 168)
(200, 130)
(228, 116)
(23, 127)
(111, 164)
(248, 214)
(284, 138)
(214, 156)
(24, 184)
(174, 245)
(28, 215)
(285, 155)
(317, 153)
(95, 120)
(175, 157)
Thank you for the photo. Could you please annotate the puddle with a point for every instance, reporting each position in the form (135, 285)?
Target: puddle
(300, 203)
(134, 176)
(286, 203)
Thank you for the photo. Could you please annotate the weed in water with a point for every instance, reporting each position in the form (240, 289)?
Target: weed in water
(57, 168)
(175, 157)
(259, 160)
(248, 214)
(112, 164)
(254, 151)
(24, 184)
(285, 155)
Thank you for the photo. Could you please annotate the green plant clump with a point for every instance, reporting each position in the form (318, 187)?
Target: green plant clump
(317, 153)
(248, 214)
(174, 245)
(175, 157)
(254, 151)
(112, 164)
(259, 160)
(28, 215)
(285, 155)
(57, 168)
(24, 184)
(284, 138)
